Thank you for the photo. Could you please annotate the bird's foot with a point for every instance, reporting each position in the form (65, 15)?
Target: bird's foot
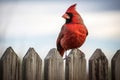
(67, 59)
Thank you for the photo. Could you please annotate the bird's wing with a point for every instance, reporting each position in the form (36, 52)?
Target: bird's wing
(60, 36)
(58, 43)
(85, 29)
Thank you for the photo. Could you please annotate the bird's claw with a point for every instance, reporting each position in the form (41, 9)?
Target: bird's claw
(67, 58)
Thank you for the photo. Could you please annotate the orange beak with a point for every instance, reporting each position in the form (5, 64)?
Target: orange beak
(66, 16)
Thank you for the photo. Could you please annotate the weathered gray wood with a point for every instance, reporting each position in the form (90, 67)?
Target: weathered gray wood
(32, 66)
(53, 66)
(76, 65)
(115, 66)
(98, 66)
(10, 65)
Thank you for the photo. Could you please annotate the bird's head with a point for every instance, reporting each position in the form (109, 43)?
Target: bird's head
(72, 16)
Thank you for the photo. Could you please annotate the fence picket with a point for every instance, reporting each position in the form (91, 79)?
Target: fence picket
(9, 65)
(32, 66)
(98, 66)
(115, 66)
(76, 65)
(53, 66)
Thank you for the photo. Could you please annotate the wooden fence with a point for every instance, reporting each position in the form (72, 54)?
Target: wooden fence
(55, 68)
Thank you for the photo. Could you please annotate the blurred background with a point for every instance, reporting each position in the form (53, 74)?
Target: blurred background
(33, 23)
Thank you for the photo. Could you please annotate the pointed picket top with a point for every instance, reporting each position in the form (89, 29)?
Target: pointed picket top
(32, 56)
(31, 52)
(9, 51)
(115, 64)
(97, 54)
(76, 53)
(117, 55)
(53, 54)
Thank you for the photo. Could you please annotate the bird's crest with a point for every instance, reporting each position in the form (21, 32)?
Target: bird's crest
(71, 8)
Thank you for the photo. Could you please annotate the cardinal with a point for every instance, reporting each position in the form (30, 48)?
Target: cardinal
(73, 33)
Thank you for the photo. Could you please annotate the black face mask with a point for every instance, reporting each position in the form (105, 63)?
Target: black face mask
(69, 20)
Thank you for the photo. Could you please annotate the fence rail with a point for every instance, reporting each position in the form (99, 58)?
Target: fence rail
(74, 68)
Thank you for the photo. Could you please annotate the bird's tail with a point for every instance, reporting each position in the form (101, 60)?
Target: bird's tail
(61, 51)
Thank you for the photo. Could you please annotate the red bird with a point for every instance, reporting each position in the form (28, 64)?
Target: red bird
(73, 33)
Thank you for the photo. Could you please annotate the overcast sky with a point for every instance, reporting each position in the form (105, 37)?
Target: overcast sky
(25, 24)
